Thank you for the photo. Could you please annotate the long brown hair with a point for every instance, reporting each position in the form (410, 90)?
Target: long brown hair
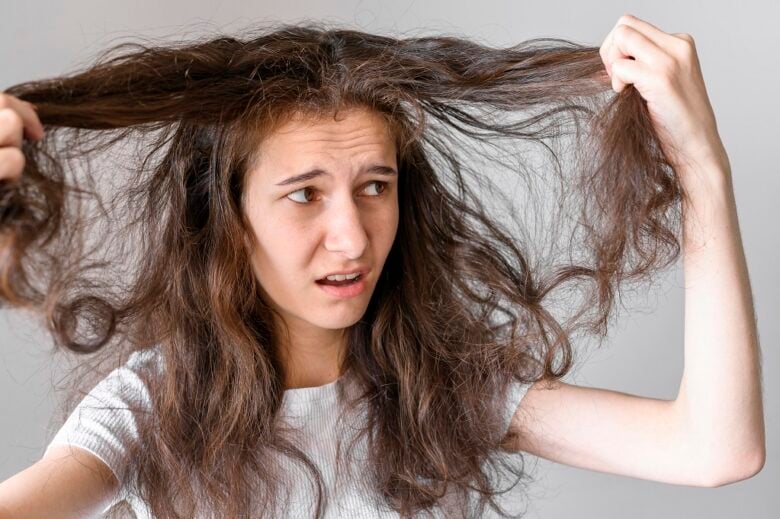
(464, 304)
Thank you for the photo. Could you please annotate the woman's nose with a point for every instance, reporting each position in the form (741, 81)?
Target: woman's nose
(345, 230)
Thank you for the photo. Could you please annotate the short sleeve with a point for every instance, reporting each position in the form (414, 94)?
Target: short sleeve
(515, 393)
(103, 423)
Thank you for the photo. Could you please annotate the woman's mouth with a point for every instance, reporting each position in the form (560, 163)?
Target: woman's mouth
(345, 288)
(343, 282)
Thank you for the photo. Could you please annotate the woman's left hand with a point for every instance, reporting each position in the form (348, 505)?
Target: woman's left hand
(665, 69)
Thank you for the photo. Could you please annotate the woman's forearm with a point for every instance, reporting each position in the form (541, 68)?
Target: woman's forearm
(720, 395)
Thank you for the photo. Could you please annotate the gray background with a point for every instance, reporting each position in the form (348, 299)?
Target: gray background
(737, 46)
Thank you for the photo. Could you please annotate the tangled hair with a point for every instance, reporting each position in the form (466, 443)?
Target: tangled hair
(463, 306)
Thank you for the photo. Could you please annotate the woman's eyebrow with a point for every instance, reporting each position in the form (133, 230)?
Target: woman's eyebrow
(317, 172)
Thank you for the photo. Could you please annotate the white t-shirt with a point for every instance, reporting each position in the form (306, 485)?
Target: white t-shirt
(103, 425)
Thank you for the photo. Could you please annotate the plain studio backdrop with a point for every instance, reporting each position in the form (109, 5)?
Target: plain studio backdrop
(737, 46)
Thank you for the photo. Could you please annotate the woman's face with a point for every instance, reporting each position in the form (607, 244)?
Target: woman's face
(343, 218)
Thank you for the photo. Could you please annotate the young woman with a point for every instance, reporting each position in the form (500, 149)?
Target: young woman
(262, 379)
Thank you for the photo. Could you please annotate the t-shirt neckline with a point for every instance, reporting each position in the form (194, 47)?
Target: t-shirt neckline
(311, 394)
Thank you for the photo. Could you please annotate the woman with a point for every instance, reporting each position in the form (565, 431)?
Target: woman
(305, 152)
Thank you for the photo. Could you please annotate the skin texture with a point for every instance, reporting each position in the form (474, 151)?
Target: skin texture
(341, 222)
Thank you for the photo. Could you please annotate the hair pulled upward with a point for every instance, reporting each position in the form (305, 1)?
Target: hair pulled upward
(463, 305)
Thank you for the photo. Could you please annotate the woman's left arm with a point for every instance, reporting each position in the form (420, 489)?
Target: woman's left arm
(720, 396)
(712, 434)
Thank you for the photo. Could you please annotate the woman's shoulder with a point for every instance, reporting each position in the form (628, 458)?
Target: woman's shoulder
(145, 358)
(104, 422)
(128, 383)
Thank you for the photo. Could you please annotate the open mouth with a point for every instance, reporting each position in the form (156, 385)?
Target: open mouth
(343, 283)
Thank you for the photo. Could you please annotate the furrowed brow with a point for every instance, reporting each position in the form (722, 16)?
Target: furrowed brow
(318, 172)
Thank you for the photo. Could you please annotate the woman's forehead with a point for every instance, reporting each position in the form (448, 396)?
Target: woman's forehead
(302, 140)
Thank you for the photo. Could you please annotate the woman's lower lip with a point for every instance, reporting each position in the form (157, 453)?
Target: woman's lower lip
(346, 291)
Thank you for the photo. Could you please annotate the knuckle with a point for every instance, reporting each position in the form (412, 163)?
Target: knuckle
(626, 33)
(622, 30)
(10, 117)
(684, 45)
(686, 37)
(621, 34)
(689, 49)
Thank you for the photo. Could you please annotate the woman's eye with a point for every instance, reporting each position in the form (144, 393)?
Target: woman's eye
(305, 201)
(379, 182)
(299, 191)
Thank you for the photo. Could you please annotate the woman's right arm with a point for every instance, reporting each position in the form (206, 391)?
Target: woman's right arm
(67, 483)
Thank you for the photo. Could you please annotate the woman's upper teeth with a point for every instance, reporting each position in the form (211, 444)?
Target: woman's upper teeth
(342, 277)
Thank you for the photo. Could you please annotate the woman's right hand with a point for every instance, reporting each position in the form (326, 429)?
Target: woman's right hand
(18, 120)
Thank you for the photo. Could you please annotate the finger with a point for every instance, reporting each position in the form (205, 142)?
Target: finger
(628, 42)
(661, 39)
(11, 163)
(653, 33)
(11, 127)
(605, 45)
(629, 71)
(33, 129)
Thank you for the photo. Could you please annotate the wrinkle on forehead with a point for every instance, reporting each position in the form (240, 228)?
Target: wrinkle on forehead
(284, 122)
